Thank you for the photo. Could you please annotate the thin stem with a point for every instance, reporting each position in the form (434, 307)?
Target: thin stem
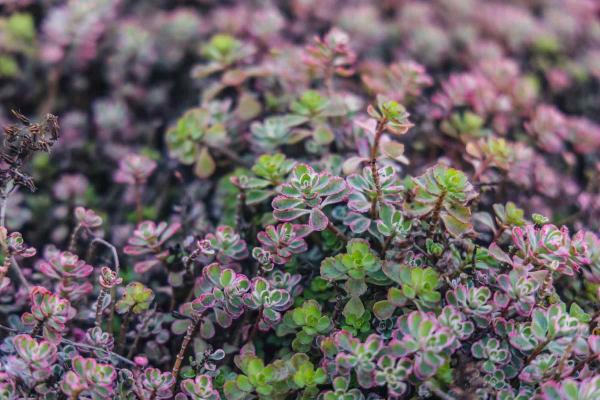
(4, 195)
(17, 269)
(123, 332)
(535, 353)
(565, 357)
(99, 310)
(134, 346)
(75, 344)
(3, 201)
(254, 330)
(116, 267)
(339, 234)
(37, 328)
(329, 85)
(231, 155)
(184, 345)
(73, 240)
(113, 250)
(139, 211)
(481, 169)
(438, 392)
(499, 233)
(374, 171)
(239, 211)
(386, 244)
(111, 315)
(435, 217)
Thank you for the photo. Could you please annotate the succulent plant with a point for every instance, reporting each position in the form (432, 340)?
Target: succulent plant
(518, 290)
(256, 377)
(399, 81)
(49, 314)
(364, 191)
(200, 388)
(11, 245)
(277, 131)
(89, 378)
(393, 372)
(283, 241)
(421, 335)
(331, 54)
(154, 384)
(307, 322)
(224, 49)
(356, 267)
(306, 193)
(135, 169)
(392, 115)
(475, 302)
(392, 224)
(70, 271)
(33, 361)
(149, 238)
(191, 139)
(417, 285)
(358, 203)
(103, 342)
(444, 193)
(271, 170)
(354, 355)
(571, 389)
(227, 244)
(550, 248)
(14, 244)
(341, 390)
(493, 351)
(137, 298)
(87, 218)
(269, 301)
(227, 288)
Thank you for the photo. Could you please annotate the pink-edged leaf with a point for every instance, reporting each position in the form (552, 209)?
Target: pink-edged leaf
(318, 220)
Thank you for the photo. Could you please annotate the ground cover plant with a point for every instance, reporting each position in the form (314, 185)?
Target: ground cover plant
(300, 199)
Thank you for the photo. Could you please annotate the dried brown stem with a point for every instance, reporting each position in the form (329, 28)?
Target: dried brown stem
(73, 239)
(99, 310)
(37, 329)
(184, 345)
(123, 332)
(373, 163)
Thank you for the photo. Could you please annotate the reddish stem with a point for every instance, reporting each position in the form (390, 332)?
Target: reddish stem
(374, 171)
(184, 345)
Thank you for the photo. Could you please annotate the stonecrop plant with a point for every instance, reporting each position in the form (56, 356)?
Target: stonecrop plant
(330, 200)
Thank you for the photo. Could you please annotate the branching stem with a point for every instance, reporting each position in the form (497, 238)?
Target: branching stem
(73, 240)
(184, 345)
(99, 302)
(374, 170)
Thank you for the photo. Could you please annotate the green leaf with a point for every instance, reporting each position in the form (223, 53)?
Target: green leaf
(205, 165)
(383, 309)
(354, 307)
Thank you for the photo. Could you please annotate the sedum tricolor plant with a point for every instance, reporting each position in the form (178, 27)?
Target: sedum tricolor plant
(331, 200)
